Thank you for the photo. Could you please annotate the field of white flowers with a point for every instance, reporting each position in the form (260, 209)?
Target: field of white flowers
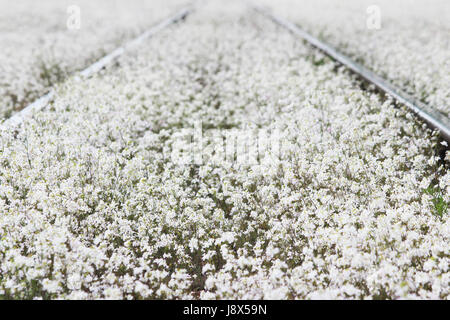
(410, 46)
(41, 44)
(348, 202)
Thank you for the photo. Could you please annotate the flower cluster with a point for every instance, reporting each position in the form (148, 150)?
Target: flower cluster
(38, 49)
(92, 208)
(411, 48)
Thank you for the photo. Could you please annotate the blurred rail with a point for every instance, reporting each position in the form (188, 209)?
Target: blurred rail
(40, 103)
(434, 119)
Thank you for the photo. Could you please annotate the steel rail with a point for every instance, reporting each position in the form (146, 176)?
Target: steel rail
(41, 102)
(434, 119)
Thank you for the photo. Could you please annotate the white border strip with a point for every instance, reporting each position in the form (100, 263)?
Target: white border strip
(433, 118)
(40, 103)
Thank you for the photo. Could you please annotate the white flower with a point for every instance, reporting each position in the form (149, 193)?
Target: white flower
(193, 244)
(112, 293)
(228, 237)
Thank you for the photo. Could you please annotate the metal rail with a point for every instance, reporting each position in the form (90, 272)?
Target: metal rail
(434, 119)
(40, 103)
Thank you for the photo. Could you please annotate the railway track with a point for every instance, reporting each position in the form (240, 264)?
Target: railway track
(434, 119)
